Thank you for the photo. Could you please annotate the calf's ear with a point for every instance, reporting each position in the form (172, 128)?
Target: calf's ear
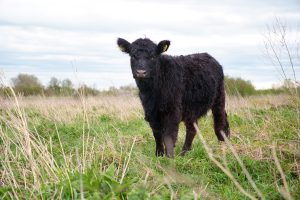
(163, 46)
(124, 45)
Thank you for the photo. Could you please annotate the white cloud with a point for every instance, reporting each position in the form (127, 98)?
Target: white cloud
(49, 35)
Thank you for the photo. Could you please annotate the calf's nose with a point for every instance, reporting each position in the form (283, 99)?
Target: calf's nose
(141, 71)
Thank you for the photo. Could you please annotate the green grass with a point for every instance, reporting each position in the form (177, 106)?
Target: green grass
(101, 156)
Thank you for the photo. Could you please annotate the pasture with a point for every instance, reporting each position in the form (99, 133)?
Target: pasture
(102, 148)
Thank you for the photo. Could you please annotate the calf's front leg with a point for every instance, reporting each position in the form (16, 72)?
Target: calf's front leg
(157, 133)
(159, 143)
(169, 138)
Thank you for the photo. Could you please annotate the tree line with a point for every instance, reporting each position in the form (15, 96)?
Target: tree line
(30, 85)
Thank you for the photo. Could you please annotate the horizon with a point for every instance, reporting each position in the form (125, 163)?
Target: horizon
(77, 84)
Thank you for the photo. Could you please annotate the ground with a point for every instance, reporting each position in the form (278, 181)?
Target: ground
(102, 148)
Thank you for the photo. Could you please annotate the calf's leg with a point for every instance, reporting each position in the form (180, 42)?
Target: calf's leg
(169, 146)
(157, 133)
(220, 117)
(190, 134)
(170, 138)
(159, 144)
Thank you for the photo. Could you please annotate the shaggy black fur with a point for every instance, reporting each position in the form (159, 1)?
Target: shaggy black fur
(174, 89)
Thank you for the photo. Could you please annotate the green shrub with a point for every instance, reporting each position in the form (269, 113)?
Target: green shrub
(238, 86)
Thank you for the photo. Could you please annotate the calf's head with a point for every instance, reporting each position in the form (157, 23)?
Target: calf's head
(144, 55)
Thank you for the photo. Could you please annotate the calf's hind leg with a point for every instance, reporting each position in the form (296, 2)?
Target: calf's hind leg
(190, 134)
(220, 117)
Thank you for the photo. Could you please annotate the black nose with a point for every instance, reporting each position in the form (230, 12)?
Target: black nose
(141, 73)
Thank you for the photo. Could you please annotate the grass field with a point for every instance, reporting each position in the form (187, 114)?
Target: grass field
(101, 148)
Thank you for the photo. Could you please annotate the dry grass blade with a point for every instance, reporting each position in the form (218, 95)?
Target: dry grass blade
(226, 171)
(286, 192)
(242, 166)
(80, 172)
(127, 163)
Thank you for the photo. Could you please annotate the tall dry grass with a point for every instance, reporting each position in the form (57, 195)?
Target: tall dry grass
(28, 161)
(32, 163)
(67, 109)
(123, 107)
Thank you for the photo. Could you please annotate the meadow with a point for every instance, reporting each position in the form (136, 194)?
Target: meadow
(101, 148)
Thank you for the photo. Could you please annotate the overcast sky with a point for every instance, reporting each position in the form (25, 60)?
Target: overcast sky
(77, 39)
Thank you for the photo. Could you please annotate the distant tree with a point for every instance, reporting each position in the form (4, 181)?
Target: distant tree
(54, 87)
(112, 90)
(87, 91)
(27, 85)
(67, 87)
(238, 86)
(67, 83)
(129, 89)
(54, 82)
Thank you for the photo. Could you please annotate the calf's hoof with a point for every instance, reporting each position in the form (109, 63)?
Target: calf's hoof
(222, 134)
(159, 153)
(170, 155)
(184, 151)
